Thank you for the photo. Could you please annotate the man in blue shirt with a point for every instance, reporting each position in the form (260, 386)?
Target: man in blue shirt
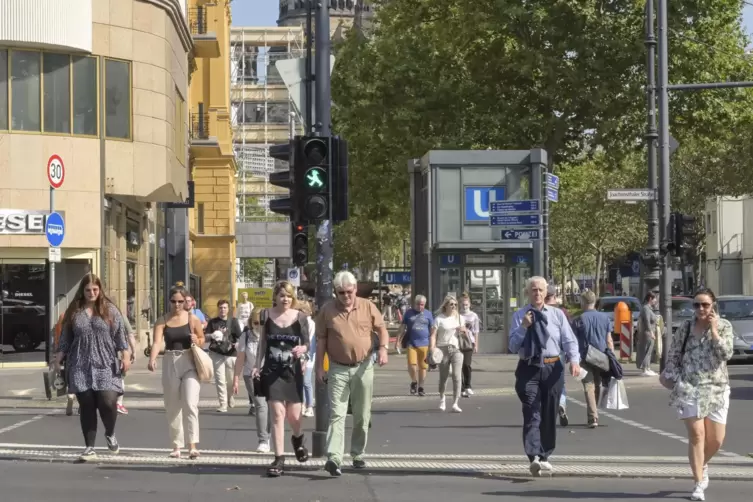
(592, 328)
(538, 334)
(414, 336)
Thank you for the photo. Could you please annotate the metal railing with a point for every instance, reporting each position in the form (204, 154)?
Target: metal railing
(197, 20)
(199, 126)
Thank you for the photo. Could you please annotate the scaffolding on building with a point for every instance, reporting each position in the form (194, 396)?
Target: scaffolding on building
(262, 115)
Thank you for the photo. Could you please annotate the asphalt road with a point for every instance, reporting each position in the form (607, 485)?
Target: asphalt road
(36, 482)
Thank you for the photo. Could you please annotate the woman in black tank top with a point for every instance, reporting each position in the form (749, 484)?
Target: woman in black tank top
(283, 349)
(179, 330)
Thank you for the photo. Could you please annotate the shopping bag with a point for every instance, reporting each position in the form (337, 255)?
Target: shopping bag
(54, 383)
(203, 363)
(616, 396)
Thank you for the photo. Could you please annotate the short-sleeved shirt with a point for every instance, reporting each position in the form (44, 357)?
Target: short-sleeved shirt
(447, 328)
(417, 325)
(647, 320)
(347, 336)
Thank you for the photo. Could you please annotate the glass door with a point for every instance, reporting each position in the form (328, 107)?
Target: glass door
(489, 292)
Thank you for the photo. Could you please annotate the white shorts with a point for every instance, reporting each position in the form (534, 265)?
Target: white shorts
(719, 416)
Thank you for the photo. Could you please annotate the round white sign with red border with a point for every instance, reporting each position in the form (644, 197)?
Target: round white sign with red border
(55, 171)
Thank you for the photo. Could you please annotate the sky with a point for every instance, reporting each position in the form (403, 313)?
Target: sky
(264, 13)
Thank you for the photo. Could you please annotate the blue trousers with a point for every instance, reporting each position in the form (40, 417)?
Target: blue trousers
(539, 389)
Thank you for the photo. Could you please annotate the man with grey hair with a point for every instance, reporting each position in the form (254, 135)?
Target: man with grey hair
(538, 334)
(592, 329)
(344, 328)
(413, 336)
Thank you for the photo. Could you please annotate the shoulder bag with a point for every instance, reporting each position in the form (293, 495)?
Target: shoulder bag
(201, 360)
(685, 332)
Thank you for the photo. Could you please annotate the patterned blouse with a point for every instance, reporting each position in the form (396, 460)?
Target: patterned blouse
(700, 372)
(91, 347)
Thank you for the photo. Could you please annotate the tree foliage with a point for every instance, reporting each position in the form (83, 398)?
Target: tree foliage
(254, 270)
(565, 75)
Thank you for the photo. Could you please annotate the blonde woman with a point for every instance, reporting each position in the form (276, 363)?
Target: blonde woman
(282, 355)
(445, 331)
(179, 329)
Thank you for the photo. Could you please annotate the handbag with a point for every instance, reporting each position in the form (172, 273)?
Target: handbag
(464, 342)
(666, 382)
(203, 364)
(597, 358)
(55, 384)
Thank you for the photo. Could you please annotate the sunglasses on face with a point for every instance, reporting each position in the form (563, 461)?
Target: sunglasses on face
(345, 292)
(452, 304)
(697, 305)
(177, 302)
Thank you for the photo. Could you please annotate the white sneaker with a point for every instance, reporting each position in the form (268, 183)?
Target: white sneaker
(535, 467)
(698, 492)
(650, 372)
(442, 405)
(456, 408)
(546, 466)
(222, 409)
(704, 484)
(263, 447)
(469, 391)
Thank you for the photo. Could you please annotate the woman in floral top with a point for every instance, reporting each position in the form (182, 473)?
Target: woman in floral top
(696, 371)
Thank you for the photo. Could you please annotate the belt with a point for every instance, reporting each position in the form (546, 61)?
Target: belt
(551, 360)
(351, 365)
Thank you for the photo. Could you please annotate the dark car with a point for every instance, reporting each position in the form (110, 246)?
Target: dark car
(738, 310)
(682, 310)
(23, 324)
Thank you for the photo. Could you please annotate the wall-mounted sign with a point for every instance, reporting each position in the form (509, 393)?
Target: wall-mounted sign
(480, 259)
(21, 222)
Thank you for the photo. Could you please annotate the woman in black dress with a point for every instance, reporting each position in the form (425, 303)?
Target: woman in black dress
(280, 361)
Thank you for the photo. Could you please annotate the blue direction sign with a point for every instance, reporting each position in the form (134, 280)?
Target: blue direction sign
(55, 229)
(552, 194)
(552, 181)
(514, 206)
(521, 235)
(449, 259)
(393, 277)
(515, 220)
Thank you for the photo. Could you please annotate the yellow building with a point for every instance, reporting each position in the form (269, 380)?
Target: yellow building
(212, 219)
(101, 84)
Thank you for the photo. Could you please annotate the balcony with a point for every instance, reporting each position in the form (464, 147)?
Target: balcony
(211, 134)
(205, 42)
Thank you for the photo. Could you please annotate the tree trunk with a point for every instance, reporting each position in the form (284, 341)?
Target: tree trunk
(599, 265)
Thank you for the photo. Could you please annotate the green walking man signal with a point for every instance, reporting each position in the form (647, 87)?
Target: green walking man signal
(314, 178)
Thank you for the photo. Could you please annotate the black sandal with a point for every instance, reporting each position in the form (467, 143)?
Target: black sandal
(301, 453)
(276, 468)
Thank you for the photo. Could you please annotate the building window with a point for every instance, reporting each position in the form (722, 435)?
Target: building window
(57, 92)
(25, 90)
(48, 92)
(117, 99)
(85, 95)
(3, 90)
(180, 128)
(200, 218)
(131, 293)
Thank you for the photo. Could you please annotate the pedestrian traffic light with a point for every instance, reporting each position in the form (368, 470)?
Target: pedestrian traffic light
(299, 244)
(339, 180)
(312, 177)
(284, 179)
(681, 229)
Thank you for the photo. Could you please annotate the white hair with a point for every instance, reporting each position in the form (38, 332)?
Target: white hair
(344, 278)
(536, 279)
(419, 298)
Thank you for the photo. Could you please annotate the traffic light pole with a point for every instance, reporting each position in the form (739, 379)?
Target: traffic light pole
(324, 250)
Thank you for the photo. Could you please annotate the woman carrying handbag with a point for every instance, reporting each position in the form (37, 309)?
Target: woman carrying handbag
(183, 336)
(696, 372)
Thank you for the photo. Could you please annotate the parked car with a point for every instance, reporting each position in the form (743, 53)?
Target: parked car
(738, 310)
(23, 324)
(682, 310)
(607, 304)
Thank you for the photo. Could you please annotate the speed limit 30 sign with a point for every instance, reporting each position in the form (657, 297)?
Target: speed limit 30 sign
(55, 171)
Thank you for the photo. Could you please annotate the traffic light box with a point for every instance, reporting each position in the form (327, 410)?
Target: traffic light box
(284, 179)
(681, 229)
(299, 244)
(321, 178)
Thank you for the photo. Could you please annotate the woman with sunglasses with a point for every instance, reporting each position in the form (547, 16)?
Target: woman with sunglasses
(248, 347)
(696, 371)
(282, 353)
(179, 329)
(445, 330)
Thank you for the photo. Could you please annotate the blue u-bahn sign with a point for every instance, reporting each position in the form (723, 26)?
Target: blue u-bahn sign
(396, 277)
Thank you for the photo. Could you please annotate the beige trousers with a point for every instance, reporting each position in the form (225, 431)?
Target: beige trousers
(181, 387)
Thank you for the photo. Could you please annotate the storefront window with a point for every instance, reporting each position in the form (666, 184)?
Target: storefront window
(117, 99)
(25, 89)
(23, 320)
(131, 292)
(84, 95)
(57, 92)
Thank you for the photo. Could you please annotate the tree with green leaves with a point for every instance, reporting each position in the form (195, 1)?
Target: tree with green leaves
(254, 270)
(565, 75)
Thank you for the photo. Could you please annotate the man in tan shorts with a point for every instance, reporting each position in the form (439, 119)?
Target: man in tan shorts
(414, 337)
